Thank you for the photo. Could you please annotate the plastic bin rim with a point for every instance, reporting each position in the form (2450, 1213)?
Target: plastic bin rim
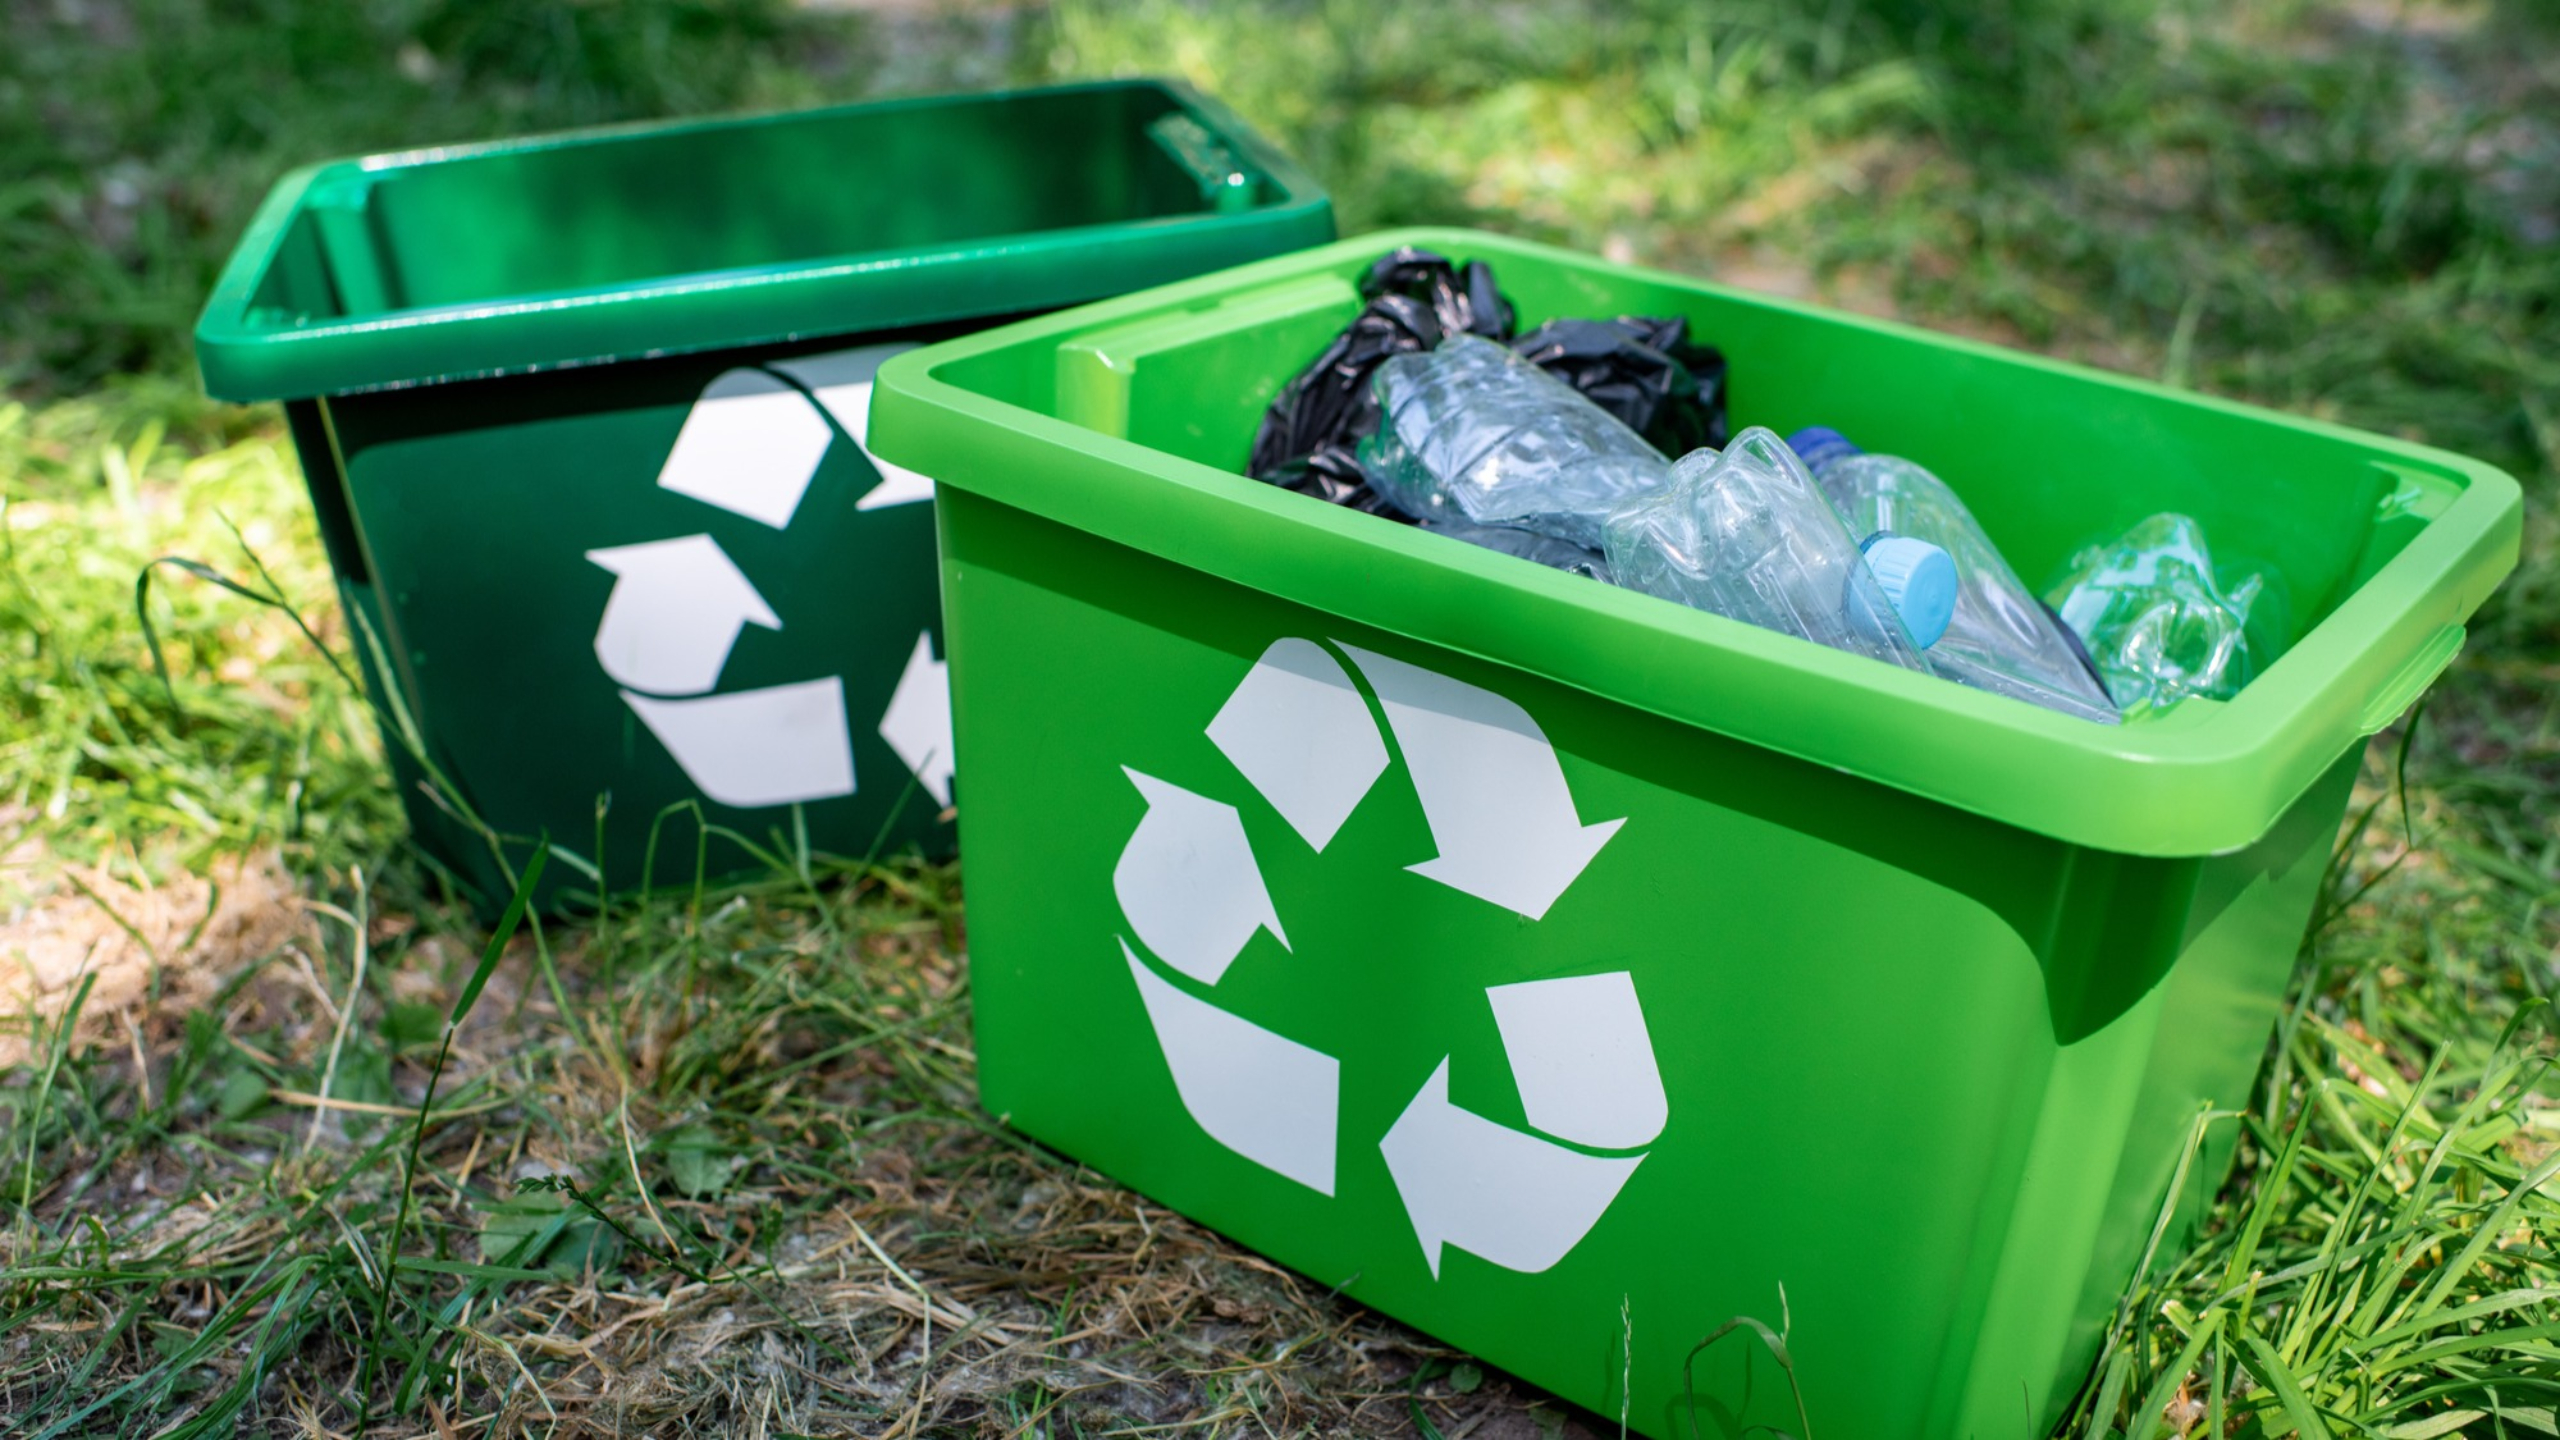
(2205, 780)
(242, 360)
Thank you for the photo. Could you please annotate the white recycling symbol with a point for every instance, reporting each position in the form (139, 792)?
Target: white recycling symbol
(1503, 820)
(751, 445)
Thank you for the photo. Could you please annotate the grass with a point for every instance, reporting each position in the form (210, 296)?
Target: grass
(727, 1174)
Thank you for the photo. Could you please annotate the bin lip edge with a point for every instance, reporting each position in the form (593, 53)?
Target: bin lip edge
(242, 362)
(2183, 775)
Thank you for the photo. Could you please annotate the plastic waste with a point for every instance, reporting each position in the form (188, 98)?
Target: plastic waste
(1746, 533)
(1545, 550)
(1311, 432)
(1471, 431)
(1918, 578)
(2158, 620)
(1999, 637)
(1643, 370)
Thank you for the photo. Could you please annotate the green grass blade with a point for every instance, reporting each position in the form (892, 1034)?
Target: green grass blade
(498, 938)
(2150, 1417)
(2280, 1382)
(489, 955)
(273, 600)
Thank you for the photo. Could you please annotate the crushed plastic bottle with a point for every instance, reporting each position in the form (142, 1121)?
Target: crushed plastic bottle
(2160, 623)
(1999, 638)
(1747, 534)
(1545, 550)
(1472, 431)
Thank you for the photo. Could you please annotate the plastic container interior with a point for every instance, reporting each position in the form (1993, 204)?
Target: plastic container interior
(2048, 464)
(2382, 547)
(610, 211)
(484, 259)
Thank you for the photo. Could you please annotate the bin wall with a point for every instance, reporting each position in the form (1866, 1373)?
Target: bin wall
(469, 514)
(1923, 1072)
(2193, 1043)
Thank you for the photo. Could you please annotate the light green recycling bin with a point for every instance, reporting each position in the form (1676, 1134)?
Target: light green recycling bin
(1567, 972)
(582, 418)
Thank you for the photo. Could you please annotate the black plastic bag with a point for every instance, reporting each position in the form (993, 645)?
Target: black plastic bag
(1416, 298)
(1641, 369)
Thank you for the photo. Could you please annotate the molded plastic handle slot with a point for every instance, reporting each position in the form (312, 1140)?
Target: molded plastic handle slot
(2403, 689)
(1097, 367)
(1226, 186)
(344, 215)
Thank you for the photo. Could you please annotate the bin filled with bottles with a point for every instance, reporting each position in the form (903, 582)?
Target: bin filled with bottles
(1552, 447)
(1572, 804)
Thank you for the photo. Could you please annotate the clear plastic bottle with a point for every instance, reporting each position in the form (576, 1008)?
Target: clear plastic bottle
(1470, 431)
(1999, 638)
(1746, 534)
(2158, 620)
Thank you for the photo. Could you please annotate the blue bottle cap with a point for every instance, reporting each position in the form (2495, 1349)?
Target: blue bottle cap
(1920, 580)
(1820, 445)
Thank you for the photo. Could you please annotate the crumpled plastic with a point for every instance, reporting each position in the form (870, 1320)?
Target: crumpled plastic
(1310, 435)
(2000, 638)
(1642, 370)
(1472, 431)
(1746, 533)
(2162, 622)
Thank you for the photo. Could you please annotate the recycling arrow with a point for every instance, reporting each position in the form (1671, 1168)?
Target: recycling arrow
(917, 723)
(1188, 882)
(1490, 787)
(751, 445)
(1514, 1199)
(1583, 1062)
(1495, 796)
(676, 608)
(841, 383)
(1259, 1093)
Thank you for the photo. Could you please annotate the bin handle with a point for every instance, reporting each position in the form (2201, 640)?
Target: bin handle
(1226, 186)
(2411, 681)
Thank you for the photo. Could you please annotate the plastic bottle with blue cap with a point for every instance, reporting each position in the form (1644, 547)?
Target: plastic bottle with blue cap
(1918, 577)
(1744, 532)
(1478, 444)
(1998, 637)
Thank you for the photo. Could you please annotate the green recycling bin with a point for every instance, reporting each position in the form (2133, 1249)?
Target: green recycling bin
(1567, 972)
(583, 422)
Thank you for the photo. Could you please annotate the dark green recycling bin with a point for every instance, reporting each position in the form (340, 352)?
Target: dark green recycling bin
(583, 419)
